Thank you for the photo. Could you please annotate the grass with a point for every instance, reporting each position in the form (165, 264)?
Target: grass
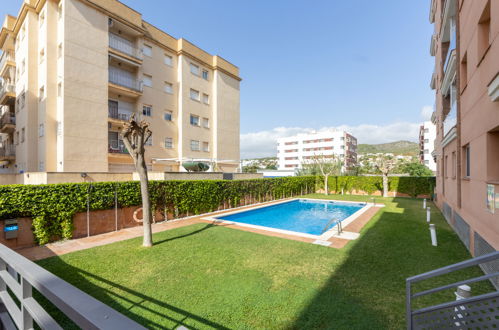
(205, 276)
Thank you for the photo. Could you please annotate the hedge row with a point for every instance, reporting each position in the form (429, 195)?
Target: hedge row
(412, 186)
(53, 206)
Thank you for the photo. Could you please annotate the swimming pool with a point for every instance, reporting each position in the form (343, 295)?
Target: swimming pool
(306, 216)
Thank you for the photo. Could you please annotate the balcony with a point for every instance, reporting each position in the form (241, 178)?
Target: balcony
(125, 47)
(7, 90)
(118, 114)
(450, 125)
(7, 58)
(124, 82)
(7, 152)
(117, 147)
(7, 121)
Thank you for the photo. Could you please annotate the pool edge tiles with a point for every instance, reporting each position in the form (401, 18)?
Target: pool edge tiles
(330, 233)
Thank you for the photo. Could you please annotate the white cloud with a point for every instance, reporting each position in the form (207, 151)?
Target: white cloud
(263, 143)
(426, 112)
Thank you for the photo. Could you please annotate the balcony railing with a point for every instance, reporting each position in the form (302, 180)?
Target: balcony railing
(19, 277)
(6, 56)
(7, 88)
(123, 45)
(124, 78)
(451, 119)
(7, 150)
(118, 114)
(117, 147)
(6, 119)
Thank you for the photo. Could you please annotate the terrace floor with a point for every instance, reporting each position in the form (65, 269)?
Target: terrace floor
(203, 276)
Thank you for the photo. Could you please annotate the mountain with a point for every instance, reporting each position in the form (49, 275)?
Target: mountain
(397, 148)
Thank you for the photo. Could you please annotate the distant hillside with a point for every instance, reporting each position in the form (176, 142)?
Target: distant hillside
(397, 148)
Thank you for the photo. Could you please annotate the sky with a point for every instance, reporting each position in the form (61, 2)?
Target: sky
(359, 65)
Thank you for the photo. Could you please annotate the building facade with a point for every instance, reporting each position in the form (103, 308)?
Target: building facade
(427, 136)
(466, 82)
(293, 152)
(73, 71)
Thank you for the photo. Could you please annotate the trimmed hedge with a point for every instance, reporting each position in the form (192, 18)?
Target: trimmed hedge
(53, 206)
(412, 186)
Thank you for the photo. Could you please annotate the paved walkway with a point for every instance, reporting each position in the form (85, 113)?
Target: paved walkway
(63, 247)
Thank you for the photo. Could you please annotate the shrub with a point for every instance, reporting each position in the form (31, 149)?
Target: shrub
(412, 186)
(53, 206)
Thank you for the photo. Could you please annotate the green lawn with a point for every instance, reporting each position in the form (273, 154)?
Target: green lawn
(205, 276)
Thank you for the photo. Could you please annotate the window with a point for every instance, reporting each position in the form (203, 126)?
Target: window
(426, 140)
(149, 141)
(464, 71)
(484, 37)
(168, 88)
(194, 95)
(194, 69)
(206, 147)
(147, 80)
(427, 162)
(467, 161)
(194, 120)
(147, 50)
(42, 55)
(426, 151)
(426, 130)
(41, 130)
(205, 74)
(23, 66)
(168, 116)
(17, 138)
(41, 166)
(194, 145)
(454, 165)
(59, 89)
(23, 134)
(168, 60)
(168, 143)
(59, 50)
(206, 123)
(147, 110)
(41, 93)
(206, 98)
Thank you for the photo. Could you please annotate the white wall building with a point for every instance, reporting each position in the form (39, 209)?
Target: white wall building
(427, 136)
(293, 151)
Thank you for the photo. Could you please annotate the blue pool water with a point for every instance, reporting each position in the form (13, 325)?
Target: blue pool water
(304, 216)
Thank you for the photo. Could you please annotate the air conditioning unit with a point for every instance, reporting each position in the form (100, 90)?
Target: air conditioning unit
(110, 22)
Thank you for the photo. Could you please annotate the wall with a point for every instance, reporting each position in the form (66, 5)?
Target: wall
(85, 89)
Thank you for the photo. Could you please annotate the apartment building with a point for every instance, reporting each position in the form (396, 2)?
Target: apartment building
(293, 152)
(466, 82)
(427, 136)
(73, 71)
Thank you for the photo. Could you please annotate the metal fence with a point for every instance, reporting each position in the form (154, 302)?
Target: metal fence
(124, 45)
(124, 78)
(20, 276)
(477, 312)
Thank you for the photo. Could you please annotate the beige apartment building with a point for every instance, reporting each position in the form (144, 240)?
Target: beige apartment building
(73, 71)
(466, 82)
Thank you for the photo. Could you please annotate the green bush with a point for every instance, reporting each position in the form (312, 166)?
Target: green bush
(53, 206)
(412, 186)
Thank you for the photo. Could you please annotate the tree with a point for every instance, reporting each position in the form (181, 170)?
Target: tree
(385, 164)
(326, 165)
(416, 169)
(135, 136)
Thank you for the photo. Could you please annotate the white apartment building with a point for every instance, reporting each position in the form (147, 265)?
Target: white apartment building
(427, 136)
(294, 151)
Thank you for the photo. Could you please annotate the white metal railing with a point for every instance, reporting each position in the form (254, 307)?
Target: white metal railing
(7, 88)
(8, 150)
(6, 56)
(478, 312)
(124, 45)
(124, 78)
(21, 276)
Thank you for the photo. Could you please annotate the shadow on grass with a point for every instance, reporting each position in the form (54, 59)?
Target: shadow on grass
(368, 290)
(207, 226)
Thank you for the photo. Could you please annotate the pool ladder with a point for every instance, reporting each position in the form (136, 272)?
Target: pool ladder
(338, 225)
